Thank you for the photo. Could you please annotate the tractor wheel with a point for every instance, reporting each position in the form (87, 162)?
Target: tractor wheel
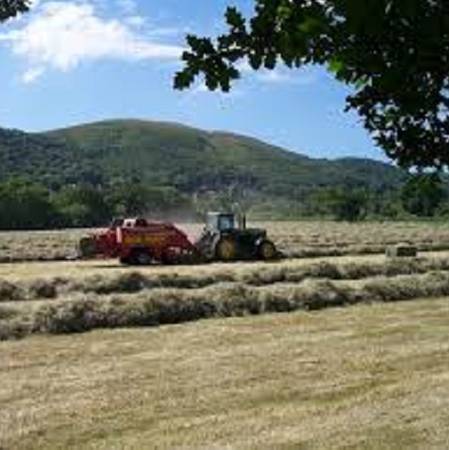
(226, 250)
(140, 257)
(267, 251)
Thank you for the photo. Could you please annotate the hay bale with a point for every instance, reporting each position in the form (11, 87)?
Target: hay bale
(402, 250)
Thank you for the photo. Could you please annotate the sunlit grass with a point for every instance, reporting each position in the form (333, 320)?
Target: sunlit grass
(365, 377)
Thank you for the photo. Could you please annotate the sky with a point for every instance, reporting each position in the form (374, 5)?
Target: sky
(78, 61)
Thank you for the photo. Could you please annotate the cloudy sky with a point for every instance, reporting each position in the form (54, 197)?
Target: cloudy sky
(70, 62)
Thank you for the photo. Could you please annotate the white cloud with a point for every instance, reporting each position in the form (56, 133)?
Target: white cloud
(288, 76)
(281, 75)
(202, 90)
(31, 75)
(61, 35)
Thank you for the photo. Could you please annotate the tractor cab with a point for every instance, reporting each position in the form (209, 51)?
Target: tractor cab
(220, 222)
(226, 238)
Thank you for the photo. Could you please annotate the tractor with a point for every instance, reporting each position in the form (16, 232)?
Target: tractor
(141, 242)
(226, 238)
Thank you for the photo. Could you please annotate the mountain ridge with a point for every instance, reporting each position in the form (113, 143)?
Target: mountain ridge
(169, 153)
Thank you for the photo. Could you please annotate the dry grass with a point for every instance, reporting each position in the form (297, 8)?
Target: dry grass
(38, 245)
(296, 239)
(135, 300)
(367, 377)
(116, 279)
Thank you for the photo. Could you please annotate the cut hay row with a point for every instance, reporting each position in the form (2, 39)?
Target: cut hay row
(171, 306)
(253, 275)
(357, 250)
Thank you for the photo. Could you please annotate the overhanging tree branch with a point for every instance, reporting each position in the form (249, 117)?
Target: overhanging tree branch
(394, 53)
(11, 8)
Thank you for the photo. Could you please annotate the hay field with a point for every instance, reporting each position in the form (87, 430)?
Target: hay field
(365, 377)
(334, 347)
(295, 239)
(72, 297)
(40, 295)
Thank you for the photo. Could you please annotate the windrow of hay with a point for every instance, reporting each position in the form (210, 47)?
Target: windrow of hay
(357, 250)
(170, 306)
(257, 275)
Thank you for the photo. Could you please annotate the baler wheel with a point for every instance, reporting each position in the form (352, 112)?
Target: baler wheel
(86, 247)
(140, 257)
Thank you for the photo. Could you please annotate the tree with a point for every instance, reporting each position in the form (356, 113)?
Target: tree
(394, 53)
(10, 8)
(82, 206)
(134, 198)
(423, 194)
(346, 204)
(25, 205)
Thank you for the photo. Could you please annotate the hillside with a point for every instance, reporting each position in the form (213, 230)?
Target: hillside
(170, 154)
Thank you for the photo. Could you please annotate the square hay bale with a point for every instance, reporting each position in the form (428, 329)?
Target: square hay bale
(402, 250)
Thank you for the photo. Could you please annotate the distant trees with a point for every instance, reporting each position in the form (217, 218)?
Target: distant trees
(423, 194)
(135, 198)
(25, 205)
(343, 203)
(82, 206)
(28, 205)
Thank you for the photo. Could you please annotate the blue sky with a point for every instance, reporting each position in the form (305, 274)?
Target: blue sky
(70, 62)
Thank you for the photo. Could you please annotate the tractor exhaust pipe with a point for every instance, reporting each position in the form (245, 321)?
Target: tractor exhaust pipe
(242, 221)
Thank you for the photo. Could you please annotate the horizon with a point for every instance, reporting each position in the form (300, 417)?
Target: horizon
(119, 59)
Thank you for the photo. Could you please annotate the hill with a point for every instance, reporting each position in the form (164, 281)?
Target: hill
(188, 159)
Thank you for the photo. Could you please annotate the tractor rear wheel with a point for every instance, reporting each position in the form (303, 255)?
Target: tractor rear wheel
(226, 250)
(267, 251)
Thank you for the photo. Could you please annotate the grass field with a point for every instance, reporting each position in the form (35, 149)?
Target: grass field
(296, 239)
(97, 369)
(366, 377)
(56, 297)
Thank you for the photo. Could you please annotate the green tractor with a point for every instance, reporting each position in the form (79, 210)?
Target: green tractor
(226, 238)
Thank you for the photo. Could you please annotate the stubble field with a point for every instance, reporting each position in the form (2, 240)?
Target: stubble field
(293, 380)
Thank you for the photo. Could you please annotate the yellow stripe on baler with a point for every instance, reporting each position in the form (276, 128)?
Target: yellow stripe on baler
(144, 240)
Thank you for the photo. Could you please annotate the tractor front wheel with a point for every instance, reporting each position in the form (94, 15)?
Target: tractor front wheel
(267, 251)
(226, 250)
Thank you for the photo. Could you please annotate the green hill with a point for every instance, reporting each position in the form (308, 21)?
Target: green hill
(168, 154)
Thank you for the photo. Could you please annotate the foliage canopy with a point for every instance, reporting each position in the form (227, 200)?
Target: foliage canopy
(10, 8)
(394, 53)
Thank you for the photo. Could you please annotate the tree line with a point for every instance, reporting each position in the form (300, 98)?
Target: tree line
(28, 205)
(423, 195)
(25, 204)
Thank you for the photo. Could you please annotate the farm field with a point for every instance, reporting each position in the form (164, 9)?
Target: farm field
(365, 377)
(86, 363)
(64, 296)
(295, 239)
